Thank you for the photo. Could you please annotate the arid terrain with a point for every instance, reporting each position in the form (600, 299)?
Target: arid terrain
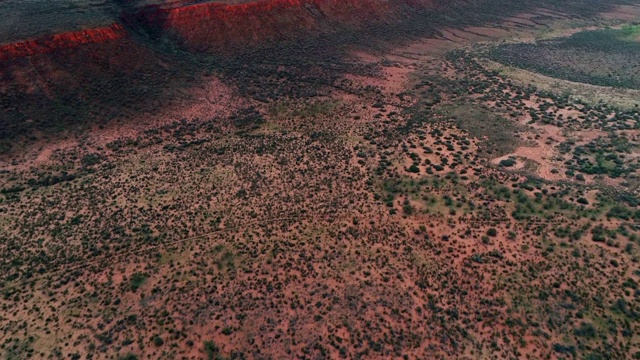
(308, 179)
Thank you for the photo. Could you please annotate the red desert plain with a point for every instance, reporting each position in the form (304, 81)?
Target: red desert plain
(320, 179)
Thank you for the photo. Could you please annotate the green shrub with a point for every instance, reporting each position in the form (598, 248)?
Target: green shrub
(586, 330)
(211, 349)
(507, 162)
(137, 279)
(157, 341)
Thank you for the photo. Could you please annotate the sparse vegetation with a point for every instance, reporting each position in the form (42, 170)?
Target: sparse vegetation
(407, 206)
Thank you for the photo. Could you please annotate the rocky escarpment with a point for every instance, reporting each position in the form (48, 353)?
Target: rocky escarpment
(71, 79)
(214, 25)
(65, 40)
(75, 80)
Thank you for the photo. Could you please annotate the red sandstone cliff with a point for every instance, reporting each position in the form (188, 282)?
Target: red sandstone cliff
(214, 25)
(47, 44)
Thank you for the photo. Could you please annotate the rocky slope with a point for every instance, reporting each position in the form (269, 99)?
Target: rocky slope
(57, 76)
(214, 25)
(71, 39)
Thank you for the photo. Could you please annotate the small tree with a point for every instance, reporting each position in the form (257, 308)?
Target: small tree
(211, 349)
(157, 341)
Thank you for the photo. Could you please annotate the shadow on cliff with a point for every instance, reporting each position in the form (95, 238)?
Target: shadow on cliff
(68, 89)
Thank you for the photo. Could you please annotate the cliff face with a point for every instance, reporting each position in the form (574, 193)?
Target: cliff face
(210, 25)
(66, 40)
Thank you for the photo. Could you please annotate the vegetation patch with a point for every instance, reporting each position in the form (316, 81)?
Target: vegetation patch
(607, 57)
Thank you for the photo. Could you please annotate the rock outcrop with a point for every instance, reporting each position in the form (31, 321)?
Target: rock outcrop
(214, 25)
(72, 39)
